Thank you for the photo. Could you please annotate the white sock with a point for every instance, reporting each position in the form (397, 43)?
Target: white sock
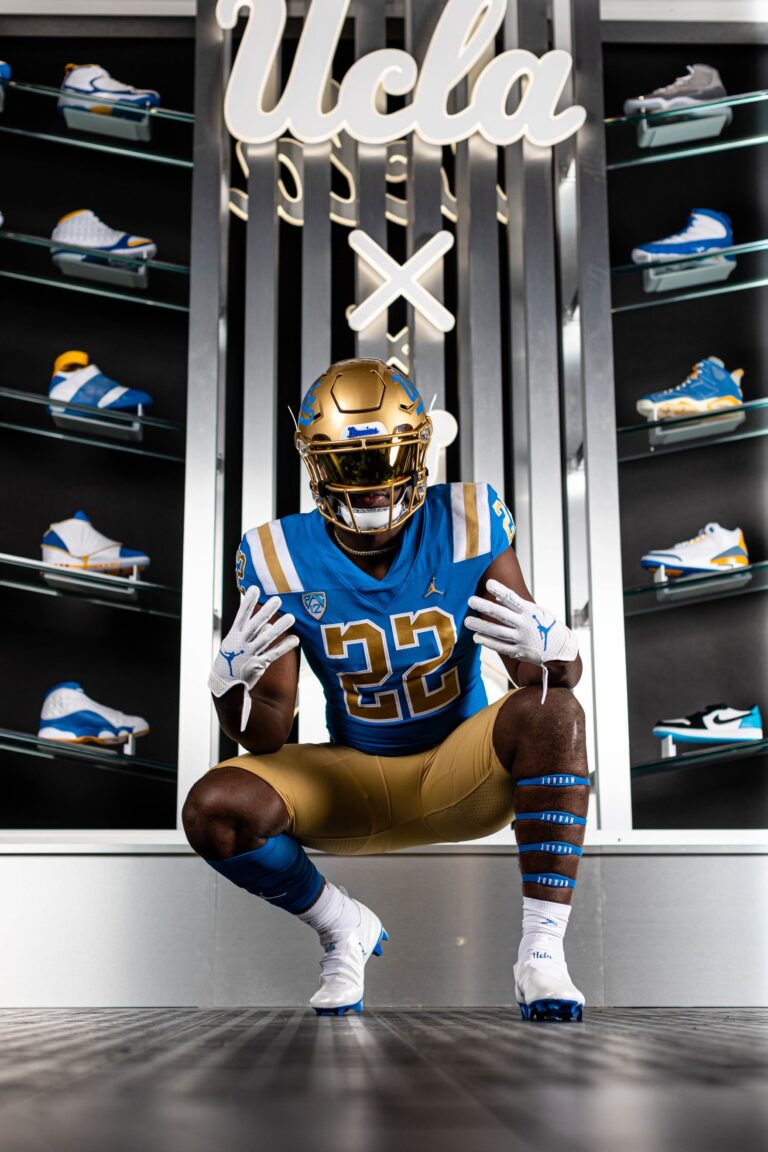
(544, 925)
(333, 911)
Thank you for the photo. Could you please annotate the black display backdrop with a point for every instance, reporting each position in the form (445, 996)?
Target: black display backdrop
(127, 660)
(681, 660)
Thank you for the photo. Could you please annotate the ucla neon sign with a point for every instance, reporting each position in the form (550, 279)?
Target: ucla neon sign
(462, 38)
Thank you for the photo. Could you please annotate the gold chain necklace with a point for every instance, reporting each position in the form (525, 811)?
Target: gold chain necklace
(369, 552)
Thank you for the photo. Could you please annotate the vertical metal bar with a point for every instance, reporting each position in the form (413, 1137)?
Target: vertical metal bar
(206, 394)
(315, 278)
(579, 21)
(425, 191)
(481, 432)
(260, 416)
(535, 409)
(371, 179)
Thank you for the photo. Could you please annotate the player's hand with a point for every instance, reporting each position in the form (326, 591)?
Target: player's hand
(519, 629)
(250, 646)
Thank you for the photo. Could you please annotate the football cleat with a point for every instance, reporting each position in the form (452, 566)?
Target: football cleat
(77, 380)
(90, 88)
(717, 724)
(714, 549)
(84, 229)
(708, 388)
(544, 991)
(342, 968)
(701, 84)
(706, 231)
(69, 715)
(75, 543)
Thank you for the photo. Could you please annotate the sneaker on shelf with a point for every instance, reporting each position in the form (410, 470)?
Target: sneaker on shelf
(84, 229)
(5, 72)
(75, 543)
(714, 549)
(69, 715)
(706, 231)
(77, 380)
(90, 88)
(717, 724)
(701, 84)
(709, 388)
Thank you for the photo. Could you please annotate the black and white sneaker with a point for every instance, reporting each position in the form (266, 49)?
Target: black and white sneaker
(717, 724)
(700, 85)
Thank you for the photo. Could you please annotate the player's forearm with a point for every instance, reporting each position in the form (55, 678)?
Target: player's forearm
(267, 728)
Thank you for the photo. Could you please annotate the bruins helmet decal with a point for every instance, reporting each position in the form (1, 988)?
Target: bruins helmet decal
(363, 434)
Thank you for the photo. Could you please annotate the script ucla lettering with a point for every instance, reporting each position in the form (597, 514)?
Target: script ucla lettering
(464, 33)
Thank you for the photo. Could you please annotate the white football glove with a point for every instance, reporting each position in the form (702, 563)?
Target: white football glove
(520, 629)
(249, 648)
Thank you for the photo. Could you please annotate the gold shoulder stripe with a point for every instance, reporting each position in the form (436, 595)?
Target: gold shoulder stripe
(470, 519)
(271, 559)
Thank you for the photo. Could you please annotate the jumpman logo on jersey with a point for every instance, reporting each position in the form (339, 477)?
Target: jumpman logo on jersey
(432, 588)
(230, 656)
(543, 631)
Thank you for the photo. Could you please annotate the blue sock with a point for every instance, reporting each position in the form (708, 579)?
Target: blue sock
(280, 872)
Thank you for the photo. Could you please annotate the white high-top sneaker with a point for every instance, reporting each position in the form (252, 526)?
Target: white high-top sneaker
(84, 229)
(342, 968)
(91, 88)
(68, 714)
(544, 990)
(75, 543)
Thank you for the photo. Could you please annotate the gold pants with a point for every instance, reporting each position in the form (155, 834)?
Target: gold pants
(351, 803)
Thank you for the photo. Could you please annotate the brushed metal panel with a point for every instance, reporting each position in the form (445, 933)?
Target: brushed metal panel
(206, 395)
(686, 930)
(577, 28)
(454, 925)
(109, 930)
(315, 281)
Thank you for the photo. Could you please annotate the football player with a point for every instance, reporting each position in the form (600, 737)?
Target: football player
(390, 588)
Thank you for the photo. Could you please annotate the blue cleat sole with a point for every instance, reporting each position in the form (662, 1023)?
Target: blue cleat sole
(341, 1011)
(552, 1010)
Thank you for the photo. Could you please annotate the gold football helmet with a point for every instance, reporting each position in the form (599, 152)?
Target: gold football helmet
(363, 433)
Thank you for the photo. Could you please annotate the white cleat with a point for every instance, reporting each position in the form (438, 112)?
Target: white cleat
(342, 968)
(545, 991)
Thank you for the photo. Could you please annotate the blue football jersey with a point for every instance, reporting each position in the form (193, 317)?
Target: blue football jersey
(398, 668)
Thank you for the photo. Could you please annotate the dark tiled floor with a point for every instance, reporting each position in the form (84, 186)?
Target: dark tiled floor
(186, 1080)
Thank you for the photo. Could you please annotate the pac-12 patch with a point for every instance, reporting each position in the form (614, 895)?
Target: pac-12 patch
(315, 603)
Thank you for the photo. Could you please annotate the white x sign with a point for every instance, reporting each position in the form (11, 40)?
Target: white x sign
(401, 280)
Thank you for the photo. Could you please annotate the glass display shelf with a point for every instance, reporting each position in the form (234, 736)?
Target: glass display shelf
(679, 591)
(26, 575)
(739, 121)
(32, 261)
(102, 758)
(660, 437)
(154, 113)
(702, 756)
(95, 146)
(739, 268)
(119, 431)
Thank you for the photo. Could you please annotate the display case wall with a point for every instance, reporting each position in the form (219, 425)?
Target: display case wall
(123, 644)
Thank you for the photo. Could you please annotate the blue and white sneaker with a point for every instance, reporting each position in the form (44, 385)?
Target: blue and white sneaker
(84, 229)
(5, 72)
(69, 715)
(90, 88)
(706, 231)
(713, 549)
(717, 724)
(709, 388)
(342, 968)
(545, 991)
(76, 379)
(75, 543)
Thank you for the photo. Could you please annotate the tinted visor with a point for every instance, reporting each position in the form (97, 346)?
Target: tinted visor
(368, 467)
